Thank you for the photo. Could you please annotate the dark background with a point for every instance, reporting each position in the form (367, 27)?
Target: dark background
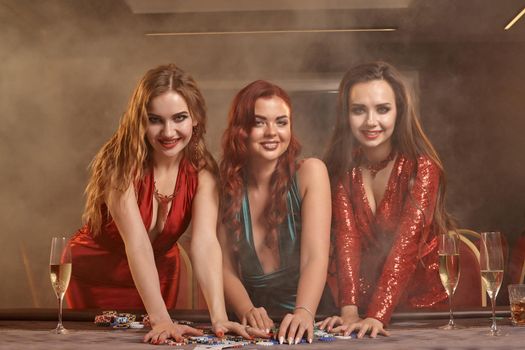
(67, 69)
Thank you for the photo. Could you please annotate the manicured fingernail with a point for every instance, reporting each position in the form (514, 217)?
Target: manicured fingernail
(220, 334)
(281, 340)
(297, 340)
(310, 340)
(267, 330)
(290, 340)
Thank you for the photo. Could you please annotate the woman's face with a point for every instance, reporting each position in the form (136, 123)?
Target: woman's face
(270, 135)
(372, 113)
(170, 125)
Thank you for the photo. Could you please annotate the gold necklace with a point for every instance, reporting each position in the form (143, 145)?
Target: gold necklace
(162, 198)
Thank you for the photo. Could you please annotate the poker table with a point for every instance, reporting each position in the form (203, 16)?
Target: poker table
(29, 329)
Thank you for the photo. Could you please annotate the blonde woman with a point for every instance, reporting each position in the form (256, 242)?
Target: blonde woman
(148, 182)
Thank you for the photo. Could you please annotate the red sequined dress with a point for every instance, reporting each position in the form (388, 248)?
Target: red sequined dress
(101, 277)
(380, 267)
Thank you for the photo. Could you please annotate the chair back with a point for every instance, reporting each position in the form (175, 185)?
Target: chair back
(516, 270)
(470, 291)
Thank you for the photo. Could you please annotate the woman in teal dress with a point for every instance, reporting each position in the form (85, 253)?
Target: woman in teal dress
(275, 217)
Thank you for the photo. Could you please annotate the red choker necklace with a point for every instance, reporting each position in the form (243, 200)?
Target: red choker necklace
(377, 167)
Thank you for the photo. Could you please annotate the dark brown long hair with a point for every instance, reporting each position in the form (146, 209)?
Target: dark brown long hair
(123, 159)
(408, 137)
(233, 167)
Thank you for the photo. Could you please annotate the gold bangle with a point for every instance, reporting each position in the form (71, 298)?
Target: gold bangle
(305, 309)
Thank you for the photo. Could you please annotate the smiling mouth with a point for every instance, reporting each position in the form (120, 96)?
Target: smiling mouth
(270, 145)
(371, 134)
(169, 143)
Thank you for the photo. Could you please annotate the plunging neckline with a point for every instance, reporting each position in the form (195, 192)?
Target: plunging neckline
(379, 206)
(152, 198)
(251, 240)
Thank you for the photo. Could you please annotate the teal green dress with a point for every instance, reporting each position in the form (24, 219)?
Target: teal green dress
(275, 291)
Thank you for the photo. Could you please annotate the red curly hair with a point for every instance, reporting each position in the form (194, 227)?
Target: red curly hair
(233, 167)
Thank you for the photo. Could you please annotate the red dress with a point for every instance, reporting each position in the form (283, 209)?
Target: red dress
(101, 277)
(379, 264)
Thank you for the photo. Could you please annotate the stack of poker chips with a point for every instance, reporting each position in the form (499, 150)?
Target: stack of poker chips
(117, 320)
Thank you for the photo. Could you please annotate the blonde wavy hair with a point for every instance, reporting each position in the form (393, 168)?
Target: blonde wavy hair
(124, 158)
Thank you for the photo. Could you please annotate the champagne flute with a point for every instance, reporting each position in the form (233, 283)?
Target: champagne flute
(491, 266)
(60, 273)
(449, 272)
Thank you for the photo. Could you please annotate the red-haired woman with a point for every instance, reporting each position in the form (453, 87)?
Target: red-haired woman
(147, 183)
(388, 202)
(275, 216)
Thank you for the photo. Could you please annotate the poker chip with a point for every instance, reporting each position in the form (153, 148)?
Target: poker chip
(121, 326)
(265, 343)
(185, 323)
(145, 320)
(104, 320)
(122, 319)
(321, 333)
(344, 337)
(129, 317)
(172, 342)
(326, 338)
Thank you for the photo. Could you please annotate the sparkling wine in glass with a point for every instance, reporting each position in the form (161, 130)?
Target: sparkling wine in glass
(449, 272)
(60, 273)
(491, 266)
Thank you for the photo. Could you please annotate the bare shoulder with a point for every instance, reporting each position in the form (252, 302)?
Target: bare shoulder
(206, 179)
(312, 172)
(311, 165)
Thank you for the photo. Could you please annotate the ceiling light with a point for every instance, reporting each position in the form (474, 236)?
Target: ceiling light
(515, 19)
(275, 31)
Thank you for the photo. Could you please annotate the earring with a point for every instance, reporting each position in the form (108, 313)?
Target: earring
(194, 144)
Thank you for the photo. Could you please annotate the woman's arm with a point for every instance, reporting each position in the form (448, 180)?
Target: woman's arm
(125, 212)
(348, 257)
(236, 295)
(417, 216)
(315, 242)
(206, 254)
(348, 251)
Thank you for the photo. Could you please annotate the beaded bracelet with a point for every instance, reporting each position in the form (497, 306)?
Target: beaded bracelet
(305, 309)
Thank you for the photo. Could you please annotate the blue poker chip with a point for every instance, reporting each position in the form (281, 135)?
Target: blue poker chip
(122, 319)
(326, 338)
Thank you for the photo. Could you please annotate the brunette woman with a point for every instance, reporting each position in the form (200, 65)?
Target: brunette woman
(388, 202)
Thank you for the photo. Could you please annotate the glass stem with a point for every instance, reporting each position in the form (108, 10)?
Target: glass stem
(451, 320)
(59, 312)
(493, 328)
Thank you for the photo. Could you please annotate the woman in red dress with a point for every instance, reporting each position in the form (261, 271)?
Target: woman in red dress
(388, 202)
(147, 183)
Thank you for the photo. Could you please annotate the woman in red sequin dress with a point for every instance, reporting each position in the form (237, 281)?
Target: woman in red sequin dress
(147, 183)
(388, 202)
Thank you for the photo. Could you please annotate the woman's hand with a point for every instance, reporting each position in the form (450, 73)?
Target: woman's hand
(257, 317)
(167, 329)
(329, 323)
(222, 327)
(368, 325)
(293, 327)
(349, 315)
